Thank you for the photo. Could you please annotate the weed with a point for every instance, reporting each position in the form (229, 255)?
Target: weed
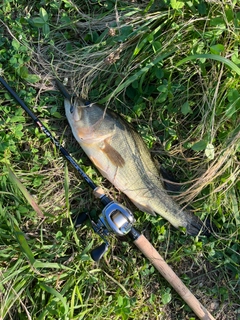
(171, 68)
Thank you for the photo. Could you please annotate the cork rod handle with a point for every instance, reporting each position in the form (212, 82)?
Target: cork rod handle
(155, 258)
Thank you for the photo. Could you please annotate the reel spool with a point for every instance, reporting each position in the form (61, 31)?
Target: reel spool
(114, 219)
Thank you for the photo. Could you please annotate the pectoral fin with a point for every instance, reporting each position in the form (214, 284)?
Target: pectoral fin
(113, 155)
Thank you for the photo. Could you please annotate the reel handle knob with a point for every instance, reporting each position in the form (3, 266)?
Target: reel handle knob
(79, 219)
(98, 252)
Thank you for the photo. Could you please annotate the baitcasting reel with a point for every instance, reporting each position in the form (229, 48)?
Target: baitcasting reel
(114, 219)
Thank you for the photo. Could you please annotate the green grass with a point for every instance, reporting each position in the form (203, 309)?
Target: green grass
(172, 70)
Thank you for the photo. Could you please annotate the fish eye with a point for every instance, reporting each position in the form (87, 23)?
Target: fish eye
(72, 104)
(87, 104)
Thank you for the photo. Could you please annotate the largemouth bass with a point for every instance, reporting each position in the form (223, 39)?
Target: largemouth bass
(122, 157)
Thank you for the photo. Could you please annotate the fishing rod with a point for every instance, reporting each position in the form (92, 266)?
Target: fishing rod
(116, 219)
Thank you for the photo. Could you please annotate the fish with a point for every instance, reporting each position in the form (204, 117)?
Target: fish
(122, 157)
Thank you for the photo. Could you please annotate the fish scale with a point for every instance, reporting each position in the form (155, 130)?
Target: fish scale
(121, 156)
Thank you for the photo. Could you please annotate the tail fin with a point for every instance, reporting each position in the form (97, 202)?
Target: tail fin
(195, 226)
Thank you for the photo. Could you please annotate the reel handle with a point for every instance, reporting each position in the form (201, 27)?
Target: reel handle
(99, 251)
(79, 219)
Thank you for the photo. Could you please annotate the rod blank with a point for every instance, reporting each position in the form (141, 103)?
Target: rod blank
(159, 263)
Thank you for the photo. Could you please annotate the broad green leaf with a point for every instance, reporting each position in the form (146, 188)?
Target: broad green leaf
(159, 73)
(120, 301)
(234, 105)
(19, 130)
(17, 119)
(168, 145)
(185, 109)
(217, 49)
(166, 297)
(235, 59)
(175, 4)
(43, 14)
(32, 78)
(218, 22)
(46, 29)
(226, 61)
(229, 14)
(16, 44)
(233, 95)
(23, 72)
(162, 88)
(199, 146)
(209, 151)
(202, 9)
(13, 61)
(38, 22)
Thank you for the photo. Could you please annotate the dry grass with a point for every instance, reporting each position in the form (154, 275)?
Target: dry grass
(105, 66)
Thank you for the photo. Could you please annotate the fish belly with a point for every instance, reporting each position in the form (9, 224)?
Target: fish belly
(138, 177)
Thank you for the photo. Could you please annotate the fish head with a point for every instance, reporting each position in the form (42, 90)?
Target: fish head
(75, 111)
(89, 122)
